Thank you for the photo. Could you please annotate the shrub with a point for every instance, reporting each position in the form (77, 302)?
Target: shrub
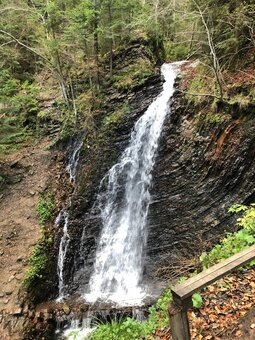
(235, 242)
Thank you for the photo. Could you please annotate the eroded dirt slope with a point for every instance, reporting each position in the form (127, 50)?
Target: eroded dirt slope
(26, 175)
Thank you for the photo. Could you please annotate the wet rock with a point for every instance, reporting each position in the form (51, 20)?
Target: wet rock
(66, 309)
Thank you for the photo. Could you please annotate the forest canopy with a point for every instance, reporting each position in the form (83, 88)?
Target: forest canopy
(70, 40)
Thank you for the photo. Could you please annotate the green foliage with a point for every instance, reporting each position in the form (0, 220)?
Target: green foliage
(215, 118)
(9, 85)
(45, 207)
(197, 300)
(235, 242)
(111, 121)
(162, 306)
(129, 329)
(179, 52)
(38, 260)
(132, 75)
(133, 329)
(12, 135)
(247, 221)
(18, 99)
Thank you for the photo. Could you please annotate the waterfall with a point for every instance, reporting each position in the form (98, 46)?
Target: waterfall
(62, 252)
(123, 203)
(74, 159)
(64, 216)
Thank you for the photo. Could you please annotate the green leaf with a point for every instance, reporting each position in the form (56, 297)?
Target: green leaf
(197, 300)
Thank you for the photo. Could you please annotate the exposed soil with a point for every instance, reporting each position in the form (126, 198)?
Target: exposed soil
(26, 173)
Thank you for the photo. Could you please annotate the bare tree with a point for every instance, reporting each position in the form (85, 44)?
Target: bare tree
(213, 55)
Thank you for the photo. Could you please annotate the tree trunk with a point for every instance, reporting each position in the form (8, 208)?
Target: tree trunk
(96, 44)
(111, 38)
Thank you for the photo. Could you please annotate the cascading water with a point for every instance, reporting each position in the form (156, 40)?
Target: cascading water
(74, 159)
(63, 216)
(62, 253)
(123, 205)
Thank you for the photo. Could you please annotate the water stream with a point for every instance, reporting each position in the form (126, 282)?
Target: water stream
(123, 202)
(74, 159)
(63, 219)
(64, 215)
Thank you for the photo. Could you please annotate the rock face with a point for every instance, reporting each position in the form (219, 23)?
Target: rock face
(201, 170)
(95, 161)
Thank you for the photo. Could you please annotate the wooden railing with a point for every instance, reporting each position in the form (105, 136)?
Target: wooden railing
(182, 293)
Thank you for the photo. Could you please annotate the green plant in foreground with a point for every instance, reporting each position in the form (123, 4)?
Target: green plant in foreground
(197, 300)
(233, 243)
(129, 329)
(45, 207)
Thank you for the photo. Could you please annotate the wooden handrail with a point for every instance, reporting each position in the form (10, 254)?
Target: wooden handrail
(182, 293)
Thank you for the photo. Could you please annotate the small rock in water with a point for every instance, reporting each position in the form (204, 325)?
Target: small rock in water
(66, 309)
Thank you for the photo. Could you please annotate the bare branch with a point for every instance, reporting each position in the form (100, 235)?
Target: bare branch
(52, 67)
(7, 43)
(20, 9)
(215, 62)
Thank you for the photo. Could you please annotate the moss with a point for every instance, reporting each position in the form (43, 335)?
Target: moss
(132, 75)
(210, 119)
(45, 207)
(38, 271)
(114, 119)
(38, 278)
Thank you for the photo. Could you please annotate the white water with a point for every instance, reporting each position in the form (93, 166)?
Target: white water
(124, 206)
(74, 159)
(64, 215)
(62, 253)
(78, 331)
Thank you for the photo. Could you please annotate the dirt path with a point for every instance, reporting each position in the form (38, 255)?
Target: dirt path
(27, 173)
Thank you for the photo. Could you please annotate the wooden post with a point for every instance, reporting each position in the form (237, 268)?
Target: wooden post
(179, 322)
(182, 293)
